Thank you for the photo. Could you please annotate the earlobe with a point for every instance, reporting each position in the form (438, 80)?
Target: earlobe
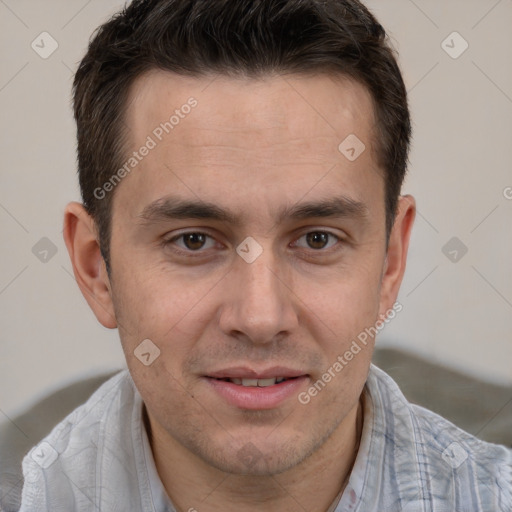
(88, 264)
(396, 257)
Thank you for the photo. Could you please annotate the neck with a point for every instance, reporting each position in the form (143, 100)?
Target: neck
(312, 485)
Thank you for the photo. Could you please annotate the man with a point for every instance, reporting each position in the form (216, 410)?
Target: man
(240, 164)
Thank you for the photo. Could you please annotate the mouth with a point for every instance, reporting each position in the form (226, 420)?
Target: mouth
(247, 389)
(253, 383)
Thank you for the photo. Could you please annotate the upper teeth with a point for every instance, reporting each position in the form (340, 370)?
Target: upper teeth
(258, 382)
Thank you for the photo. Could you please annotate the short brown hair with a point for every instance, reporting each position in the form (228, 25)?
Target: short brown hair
(233, 37)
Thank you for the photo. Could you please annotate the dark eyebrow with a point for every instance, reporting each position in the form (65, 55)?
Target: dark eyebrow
(171, 207)
(336, 207)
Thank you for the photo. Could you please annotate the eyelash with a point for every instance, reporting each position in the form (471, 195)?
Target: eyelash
(200, 252)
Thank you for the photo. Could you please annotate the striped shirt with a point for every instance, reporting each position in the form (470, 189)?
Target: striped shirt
(413, 460)
(409, 459)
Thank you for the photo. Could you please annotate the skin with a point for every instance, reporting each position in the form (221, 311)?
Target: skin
(253, 147)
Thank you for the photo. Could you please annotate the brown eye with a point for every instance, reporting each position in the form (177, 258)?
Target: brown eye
(317, 240)
(194, 241)
(191, 242)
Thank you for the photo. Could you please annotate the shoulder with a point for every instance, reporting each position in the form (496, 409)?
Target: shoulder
(88, 415)
(464, 464)
(67, 457)
(454, 465)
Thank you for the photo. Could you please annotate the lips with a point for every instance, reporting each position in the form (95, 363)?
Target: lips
(261, 383)
(247, 388)
(239, 372)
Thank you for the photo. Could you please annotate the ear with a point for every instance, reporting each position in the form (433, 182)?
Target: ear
(88, 264)
(396, 256)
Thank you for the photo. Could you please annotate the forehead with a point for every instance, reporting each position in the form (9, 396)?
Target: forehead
(276, 136)
(282, 106)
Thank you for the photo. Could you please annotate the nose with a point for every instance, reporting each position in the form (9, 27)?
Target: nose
(259, 304)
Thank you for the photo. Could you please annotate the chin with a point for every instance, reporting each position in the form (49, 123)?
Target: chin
(257, 457)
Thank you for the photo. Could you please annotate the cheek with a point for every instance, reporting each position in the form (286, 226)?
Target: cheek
(345, 304)
(161, 306)
(344, 314)
(154, 300)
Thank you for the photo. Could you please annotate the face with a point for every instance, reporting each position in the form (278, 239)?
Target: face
(247, 247)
